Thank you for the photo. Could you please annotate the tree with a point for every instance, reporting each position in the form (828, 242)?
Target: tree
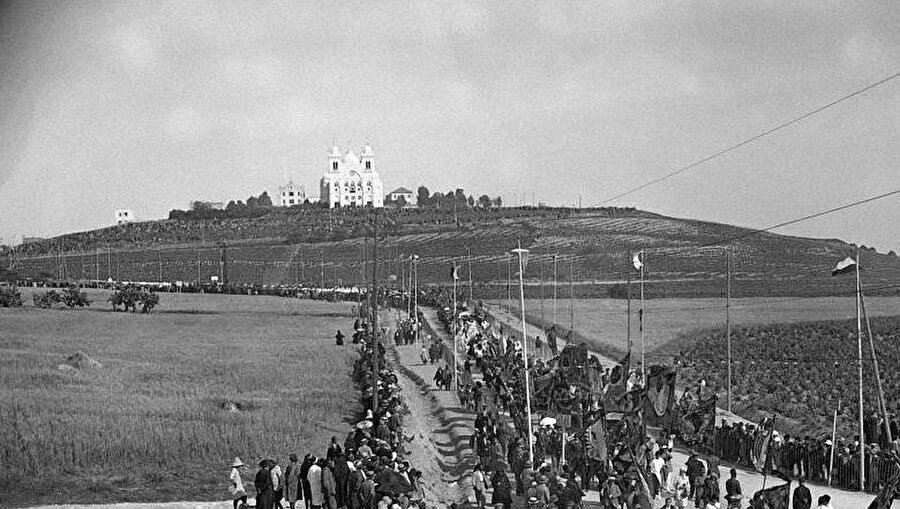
(72, 297)
(252, 202)
(498, 202)
(484, 201)
(460, 197)
(471, 201)
(423, 196)
(401, 202)
(264, 200)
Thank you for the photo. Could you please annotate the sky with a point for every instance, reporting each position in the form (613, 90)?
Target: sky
(149, 105)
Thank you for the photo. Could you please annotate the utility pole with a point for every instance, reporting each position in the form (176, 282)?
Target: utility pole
(158, 264)
(728, 319)
(572, 295)
(469, 259)
(322, 270)
(541, 279)
(508, 278)
(108, 263)
(375, 342)
(523, 254)
(555, 282)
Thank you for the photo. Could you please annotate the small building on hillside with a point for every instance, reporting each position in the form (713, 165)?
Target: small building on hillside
(402, 192)
(291, 194)
(124, 216)
(351, 181)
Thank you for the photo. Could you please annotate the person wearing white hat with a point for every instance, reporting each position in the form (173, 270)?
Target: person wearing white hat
(238, 495)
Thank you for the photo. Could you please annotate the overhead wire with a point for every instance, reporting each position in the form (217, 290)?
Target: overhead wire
(752, 139)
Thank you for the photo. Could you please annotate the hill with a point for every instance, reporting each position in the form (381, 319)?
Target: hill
(316, 246)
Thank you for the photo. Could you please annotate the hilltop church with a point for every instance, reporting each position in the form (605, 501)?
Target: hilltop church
(350, 180)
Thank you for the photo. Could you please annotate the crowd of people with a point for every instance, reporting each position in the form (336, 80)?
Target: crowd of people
(368, 470)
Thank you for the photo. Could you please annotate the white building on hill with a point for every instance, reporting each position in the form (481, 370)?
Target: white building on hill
(291, 194)
(351, 181)
(124, 216)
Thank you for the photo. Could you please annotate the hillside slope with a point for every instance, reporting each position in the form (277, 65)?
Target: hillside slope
(594, 246)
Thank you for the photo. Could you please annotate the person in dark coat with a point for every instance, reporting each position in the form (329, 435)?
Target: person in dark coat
(341, 473)
(502, 488)
(802, 496)
(265, 492)
(354, 486)
(304, 469)
(339, 338)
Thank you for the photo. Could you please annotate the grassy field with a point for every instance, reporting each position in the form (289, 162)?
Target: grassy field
(150, 424)
(669, 322)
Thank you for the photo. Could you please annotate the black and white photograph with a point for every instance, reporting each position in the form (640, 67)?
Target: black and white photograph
(461, 254)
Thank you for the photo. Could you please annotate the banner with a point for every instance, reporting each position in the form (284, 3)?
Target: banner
(775, 498)
(660, 394)
(761, 440)
(596, 440)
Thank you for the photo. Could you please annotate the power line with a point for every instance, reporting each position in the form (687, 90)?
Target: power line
(752, 139)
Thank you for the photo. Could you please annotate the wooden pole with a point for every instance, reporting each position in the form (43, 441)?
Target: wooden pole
(471, 291)
(862, 436)
(728, 320)
(881, 404)
(572, 296)
(833, 438)
(541, 279)
(521, 252)
(628, 311)
(641, 316)
(555, 283)
(375, 311)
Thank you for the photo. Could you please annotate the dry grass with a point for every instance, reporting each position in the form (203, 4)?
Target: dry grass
(149, 425)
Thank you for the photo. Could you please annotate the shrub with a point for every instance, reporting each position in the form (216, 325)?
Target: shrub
(10, 297)
(130, 296)
(72, 297)
(46, 300)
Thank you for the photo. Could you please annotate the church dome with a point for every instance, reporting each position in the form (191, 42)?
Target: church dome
(335, 152)
(350, 158)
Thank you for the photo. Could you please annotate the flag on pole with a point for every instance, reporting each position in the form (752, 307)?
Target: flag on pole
(761, 442)
(845, 266)
(638, 260)
(777, 497)
(454, 273)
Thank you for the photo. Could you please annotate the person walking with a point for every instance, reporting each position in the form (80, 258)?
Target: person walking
(308, 460)
(277, 485)
(238, 495)
(478, 484)
(314, 476)
(329, 486)
(733, 493)
(263, 485)
(293, 490)
(802, 497)
(502, 489)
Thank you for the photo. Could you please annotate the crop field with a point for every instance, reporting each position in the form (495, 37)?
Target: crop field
(668, 323)
(179, 393)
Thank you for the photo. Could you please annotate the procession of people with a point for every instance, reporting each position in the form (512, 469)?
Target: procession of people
(368, 469)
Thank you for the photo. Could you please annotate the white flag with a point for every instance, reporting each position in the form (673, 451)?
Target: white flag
(638, 263)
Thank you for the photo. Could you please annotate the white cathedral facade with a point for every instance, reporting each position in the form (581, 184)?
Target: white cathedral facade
(351, 181)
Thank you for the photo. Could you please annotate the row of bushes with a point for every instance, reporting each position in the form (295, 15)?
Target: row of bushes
(129, 298)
